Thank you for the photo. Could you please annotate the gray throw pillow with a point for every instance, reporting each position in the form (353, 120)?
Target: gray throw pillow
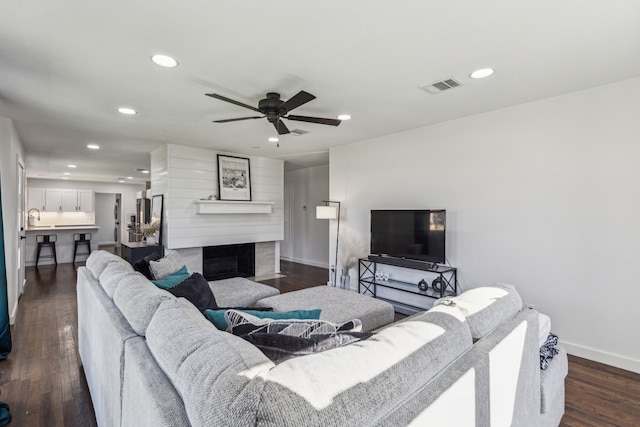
(165, 266)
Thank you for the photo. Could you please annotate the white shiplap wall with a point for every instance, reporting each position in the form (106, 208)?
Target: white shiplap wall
(187, 174)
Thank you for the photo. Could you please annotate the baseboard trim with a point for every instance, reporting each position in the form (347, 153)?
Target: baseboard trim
(616, 360)
(14, 313)
(306, 262)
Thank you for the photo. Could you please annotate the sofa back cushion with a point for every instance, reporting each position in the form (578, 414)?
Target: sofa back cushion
(98, 261)
(370, 378)
(112, 275)
(216, 373)
(485, 308)
(138, 299)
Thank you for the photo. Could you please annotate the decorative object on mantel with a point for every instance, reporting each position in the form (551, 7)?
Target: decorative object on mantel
(331, 212)
(149, 230)
(351, 252)
(156, 214)
(234, 178)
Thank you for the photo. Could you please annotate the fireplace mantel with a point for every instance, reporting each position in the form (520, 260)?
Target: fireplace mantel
(233, 207)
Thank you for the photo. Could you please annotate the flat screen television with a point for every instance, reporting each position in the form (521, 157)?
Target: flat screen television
(409, 234)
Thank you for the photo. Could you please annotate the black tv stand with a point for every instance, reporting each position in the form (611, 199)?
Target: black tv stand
(444, 284)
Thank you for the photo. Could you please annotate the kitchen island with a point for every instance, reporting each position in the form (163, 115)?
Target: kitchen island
(64, 244)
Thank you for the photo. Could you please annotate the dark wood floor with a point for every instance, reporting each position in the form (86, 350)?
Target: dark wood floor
(43, 382)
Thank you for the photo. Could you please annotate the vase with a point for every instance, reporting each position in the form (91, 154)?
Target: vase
(151, 241)
(345, 280)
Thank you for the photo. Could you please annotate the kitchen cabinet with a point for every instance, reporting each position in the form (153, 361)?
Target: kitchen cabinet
(36, 199)
(86, 201)
(77, 201)
(60, 200)
(53, 200)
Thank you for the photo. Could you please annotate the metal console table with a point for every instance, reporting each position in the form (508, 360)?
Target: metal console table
(444, 284)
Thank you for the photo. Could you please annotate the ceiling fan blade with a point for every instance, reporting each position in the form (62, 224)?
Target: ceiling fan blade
(235, 120)
(297, 100)
(318, 120)
(281, 127)
(224, 98)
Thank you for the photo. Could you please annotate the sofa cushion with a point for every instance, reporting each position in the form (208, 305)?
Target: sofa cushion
(142, 265)
(98, 261)
(241, 292)
(138, 298)
(113, 274)
(172, 279)
(485, 308)
(161, 268)
(216, 373)
(217, 317)
(369, 377)
(243, 323)
(196, 290)
(338, 305)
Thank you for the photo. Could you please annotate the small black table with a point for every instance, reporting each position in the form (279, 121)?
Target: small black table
(134, 251)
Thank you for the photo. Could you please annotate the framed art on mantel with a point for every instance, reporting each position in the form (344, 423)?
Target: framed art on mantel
(234, 178)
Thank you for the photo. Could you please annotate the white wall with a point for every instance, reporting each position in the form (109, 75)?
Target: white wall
(543, 195)
(10, 150)
(309, 241)
(128, 191)
(186, 174)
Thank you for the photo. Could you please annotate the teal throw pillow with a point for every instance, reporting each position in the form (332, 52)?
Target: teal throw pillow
(172, 279)
(217, 316)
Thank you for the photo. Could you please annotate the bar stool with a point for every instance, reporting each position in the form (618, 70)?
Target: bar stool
(47, 241)
(81, 239)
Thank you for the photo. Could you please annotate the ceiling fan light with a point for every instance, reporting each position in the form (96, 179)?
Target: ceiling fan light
(344, 117)
(274, 139)
(481, 73)
(164, 61)
(93, 146)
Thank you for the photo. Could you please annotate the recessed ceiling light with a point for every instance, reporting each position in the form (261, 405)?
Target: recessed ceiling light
(121, 181)
(93, 146)
(67, 173)
(481, 73)
(71, 166)
(65, 177)
(164, 61)
(344, 117)
(129, 177)
(144, 171)
(128, 111)
(274, 139)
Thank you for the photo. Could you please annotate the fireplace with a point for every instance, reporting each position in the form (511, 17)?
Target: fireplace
(223, 262)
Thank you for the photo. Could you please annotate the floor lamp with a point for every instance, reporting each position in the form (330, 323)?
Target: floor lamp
(331, 212)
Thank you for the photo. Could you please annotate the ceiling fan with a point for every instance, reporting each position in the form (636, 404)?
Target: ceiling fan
(275, 109)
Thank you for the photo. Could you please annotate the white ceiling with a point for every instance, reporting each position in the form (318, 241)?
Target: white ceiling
(66, 66)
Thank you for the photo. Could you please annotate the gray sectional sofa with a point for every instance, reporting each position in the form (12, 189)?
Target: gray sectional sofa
(151, 359)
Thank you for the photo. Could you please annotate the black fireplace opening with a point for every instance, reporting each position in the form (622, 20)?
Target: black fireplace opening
(224, 262)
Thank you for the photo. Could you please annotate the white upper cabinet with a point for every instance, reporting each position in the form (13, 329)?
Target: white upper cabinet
(60, 200)
(85, 201)
(36, 199)
(53, 200)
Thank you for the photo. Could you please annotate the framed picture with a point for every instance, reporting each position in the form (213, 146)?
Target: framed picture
(156, 213)
(234, 178)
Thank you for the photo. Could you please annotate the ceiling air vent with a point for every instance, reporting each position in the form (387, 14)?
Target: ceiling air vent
(298, 132)
(441, 86)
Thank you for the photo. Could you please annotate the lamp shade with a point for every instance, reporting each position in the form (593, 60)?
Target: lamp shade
(326, 212)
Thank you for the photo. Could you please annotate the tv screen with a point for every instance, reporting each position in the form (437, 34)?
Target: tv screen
(411, 234)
